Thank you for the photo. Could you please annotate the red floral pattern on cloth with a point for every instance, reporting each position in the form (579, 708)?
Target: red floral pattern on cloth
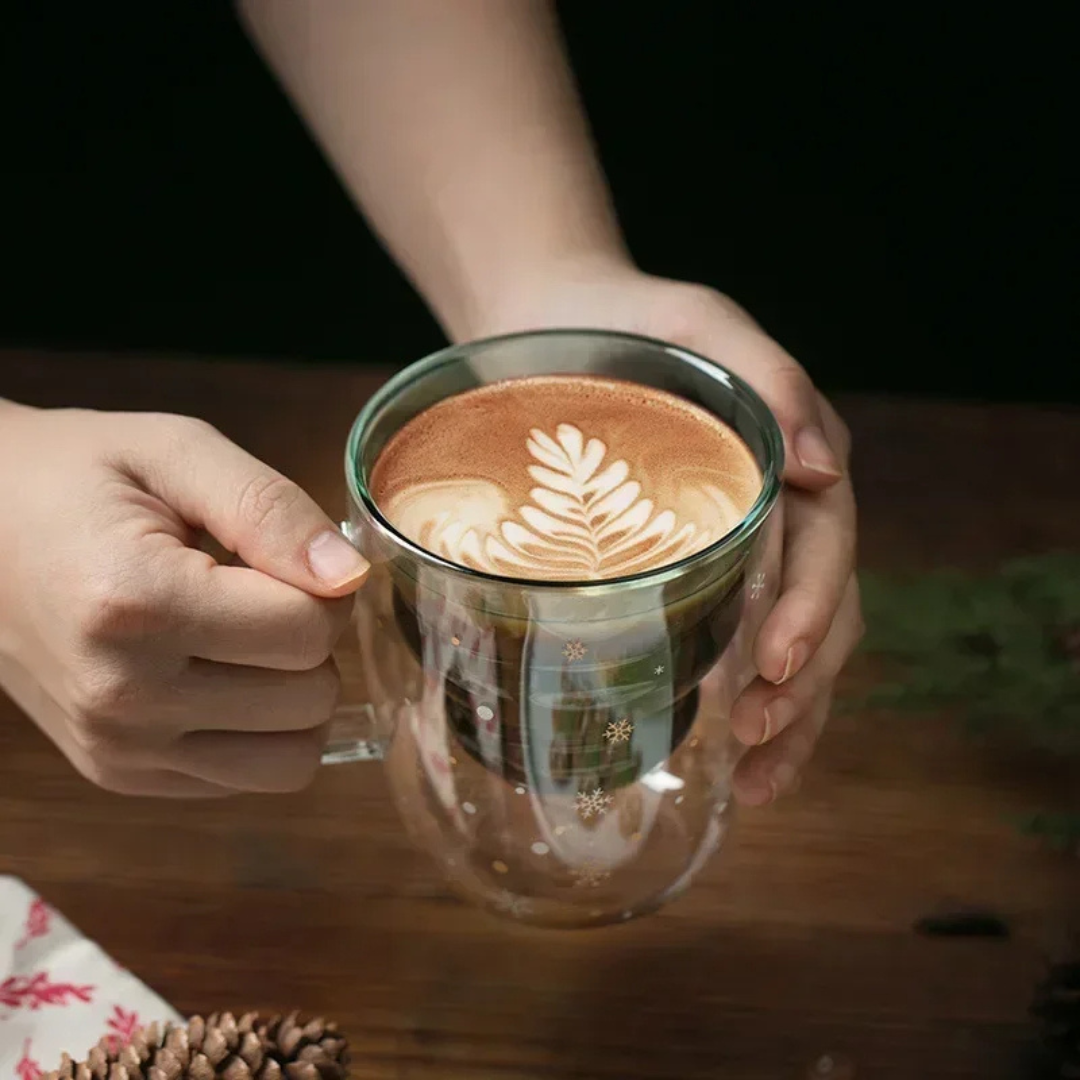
(37, 922)
(26, 1068)
(122, 1024)
(38, 990)
(58, 991)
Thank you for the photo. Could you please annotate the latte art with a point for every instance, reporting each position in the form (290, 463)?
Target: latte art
(585, 521)
(623, 487)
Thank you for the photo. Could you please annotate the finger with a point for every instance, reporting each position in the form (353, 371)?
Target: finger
(221, 697)
(280, 762)
(767, 772)
(763, 711)
(811, 461)
(819, 555)
(248, 507)
(112, 776)
(236, 615)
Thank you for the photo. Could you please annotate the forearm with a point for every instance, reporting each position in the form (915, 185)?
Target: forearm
(9, 408)
(456, 127)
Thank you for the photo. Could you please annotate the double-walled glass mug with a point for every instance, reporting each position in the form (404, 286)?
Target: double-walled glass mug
(561, 749)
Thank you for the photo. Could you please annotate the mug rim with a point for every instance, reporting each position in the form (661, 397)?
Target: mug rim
(754, 518)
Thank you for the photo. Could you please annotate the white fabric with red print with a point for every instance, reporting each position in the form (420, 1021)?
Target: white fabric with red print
(58, 991)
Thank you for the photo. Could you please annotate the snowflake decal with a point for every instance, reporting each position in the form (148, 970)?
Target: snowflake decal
(590, 874)
(593, 803)
(659, 669)
(574, 650)
(757, 585)
(618, 731)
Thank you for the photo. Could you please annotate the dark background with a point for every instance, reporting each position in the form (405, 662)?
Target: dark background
(885, 189)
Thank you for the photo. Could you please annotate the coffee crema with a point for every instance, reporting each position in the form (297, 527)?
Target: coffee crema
(565, 478)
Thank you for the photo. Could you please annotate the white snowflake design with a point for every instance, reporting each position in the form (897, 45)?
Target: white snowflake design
(593, 803)
(574, 650)
(618, 731)
(757, 585)
(660, 669)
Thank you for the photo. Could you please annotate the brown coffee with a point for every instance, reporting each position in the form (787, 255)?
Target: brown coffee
(565, 478)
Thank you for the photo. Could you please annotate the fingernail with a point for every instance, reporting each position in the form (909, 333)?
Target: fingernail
(334, 561)
(797, 655)
(814, 453)
(778, 714)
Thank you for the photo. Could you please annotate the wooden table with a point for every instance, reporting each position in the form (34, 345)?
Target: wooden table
(796, 943)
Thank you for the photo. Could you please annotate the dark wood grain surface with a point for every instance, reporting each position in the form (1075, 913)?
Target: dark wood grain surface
(796, 943)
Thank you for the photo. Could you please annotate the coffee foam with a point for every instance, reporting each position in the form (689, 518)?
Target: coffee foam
(565, 478)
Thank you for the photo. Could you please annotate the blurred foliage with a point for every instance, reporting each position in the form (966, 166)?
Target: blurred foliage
(1060, 831)
(1001, 649)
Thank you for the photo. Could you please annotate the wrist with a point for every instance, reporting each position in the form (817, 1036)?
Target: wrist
(10, 411)
(9, 408)
(524, 298)
(17, 423)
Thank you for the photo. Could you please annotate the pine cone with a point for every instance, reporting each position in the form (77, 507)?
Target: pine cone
(219, 1048)
(1057, 1006)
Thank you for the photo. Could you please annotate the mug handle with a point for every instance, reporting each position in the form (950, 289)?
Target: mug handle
(353, 736)
(354, 729)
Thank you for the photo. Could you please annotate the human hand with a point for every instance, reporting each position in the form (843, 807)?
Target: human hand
(156, 670)
(816, 622)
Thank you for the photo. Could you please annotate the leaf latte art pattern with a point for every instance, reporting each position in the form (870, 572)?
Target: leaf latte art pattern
(588, 518)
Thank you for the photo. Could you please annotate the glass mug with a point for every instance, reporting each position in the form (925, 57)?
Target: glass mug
(562, 750)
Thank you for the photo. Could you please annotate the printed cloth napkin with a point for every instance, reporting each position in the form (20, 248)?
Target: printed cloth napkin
(58, 991)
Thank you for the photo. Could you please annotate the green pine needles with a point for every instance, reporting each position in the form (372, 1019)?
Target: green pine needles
(1003, 649)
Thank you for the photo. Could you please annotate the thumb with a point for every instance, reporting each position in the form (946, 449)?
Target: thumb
(248, 507)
